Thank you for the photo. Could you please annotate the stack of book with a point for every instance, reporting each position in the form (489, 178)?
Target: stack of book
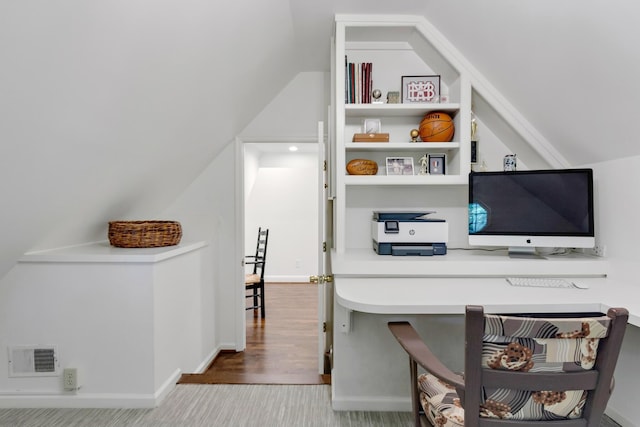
(358, 82)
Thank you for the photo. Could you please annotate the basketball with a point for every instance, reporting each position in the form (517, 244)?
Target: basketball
(437, 127)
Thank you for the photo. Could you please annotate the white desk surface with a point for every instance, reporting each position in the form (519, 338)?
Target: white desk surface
(470, 263)
(373, 291)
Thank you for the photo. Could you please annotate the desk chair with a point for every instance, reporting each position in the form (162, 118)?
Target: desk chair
(254, 281)
(529, 370)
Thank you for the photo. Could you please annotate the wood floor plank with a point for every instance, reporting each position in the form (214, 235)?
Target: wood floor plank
(282, 348)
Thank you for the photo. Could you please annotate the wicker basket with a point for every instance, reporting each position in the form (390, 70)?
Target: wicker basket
(144, 234)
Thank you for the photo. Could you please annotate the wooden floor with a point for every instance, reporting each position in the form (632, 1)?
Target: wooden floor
(282, 348)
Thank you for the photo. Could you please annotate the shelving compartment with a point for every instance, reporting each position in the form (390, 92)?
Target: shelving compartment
(448, 202)
(496, 138)
(399, 122)
(397, 49)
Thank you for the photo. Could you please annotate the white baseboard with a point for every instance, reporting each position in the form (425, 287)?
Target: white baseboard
(371, 403)
(207, 361)
(619, 418)
(35, 399)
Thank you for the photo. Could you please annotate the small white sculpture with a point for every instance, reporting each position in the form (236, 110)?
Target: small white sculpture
(424, 164)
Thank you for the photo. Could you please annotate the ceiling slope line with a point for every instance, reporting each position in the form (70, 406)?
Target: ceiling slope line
(493, 97)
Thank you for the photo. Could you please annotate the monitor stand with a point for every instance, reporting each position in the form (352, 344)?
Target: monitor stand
(524, 252)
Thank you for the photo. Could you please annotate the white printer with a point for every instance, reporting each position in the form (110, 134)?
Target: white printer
(408, 233)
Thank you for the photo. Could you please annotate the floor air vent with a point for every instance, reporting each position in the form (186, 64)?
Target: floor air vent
(33, 361)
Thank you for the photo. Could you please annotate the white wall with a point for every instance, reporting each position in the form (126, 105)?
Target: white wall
(618, 204)
(297, 109)
(206, 211)
(618, 228)
(284, 199)
(130, 327)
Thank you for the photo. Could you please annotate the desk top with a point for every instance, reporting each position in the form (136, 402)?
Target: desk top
(371, 283)
(464, 263)
(422, 295)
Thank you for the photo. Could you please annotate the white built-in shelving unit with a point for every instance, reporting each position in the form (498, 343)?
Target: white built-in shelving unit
(400, 46)
(396, 47)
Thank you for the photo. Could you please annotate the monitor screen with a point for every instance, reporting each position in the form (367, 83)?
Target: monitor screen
(529, 209)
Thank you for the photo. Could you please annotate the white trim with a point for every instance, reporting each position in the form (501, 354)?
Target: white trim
(619, 418)
(102, 252)
(371, 403)
(240, 318)
(207, 361)
(38, 399)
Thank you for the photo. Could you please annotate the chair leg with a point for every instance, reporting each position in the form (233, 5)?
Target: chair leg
(262, 311)
(255, 297)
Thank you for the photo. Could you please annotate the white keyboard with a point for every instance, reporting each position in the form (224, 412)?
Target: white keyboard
(540, 282)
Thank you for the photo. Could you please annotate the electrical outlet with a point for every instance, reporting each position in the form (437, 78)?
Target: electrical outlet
(70, 379)
(600, 250)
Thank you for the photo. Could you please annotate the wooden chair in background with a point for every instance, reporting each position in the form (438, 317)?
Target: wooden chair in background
(254, 281)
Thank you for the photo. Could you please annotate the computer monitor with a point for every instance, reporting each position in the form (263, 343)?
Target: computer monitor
(525, 210)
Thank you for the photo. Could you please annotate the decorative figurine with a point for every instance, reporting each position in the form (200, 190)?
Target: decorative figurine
(376, 95)
(424, 164)
(414, 135)
(474, 127)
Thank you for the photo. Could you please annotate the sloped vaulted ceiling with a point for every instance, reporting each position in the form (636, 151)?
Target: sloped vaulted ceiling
(110, 109)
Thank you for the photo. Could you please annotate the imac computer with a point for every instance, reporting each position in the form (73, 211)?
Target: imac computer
(525, 210)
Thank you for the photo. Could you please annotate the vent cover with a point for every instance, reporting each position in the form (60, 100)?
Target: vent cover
(33, 361)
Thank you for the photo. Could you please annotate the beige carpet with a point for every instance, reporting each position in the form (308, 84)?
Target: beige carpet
(219, 405)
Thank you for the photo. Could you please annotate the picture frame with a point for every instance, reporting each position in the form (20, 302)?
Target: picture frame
(399, 165)
(420, 89)
(437, 163)
(372, 126)
(393, 97)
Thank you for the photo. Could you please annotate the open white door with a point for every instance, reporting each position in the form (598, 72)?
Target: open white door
(323, 278)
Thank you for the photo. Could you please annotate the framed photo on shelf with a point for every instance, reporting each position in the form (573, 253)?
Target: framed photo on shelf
(420, 89)
(372, 126)
(399, 165)
(437, 164)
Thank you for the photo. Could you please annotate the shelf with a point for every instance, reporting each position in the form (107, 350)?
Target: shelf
(405, 180)
(464, 263)
(103, 252)
(401, 146)
(396, 49)
(364, 110)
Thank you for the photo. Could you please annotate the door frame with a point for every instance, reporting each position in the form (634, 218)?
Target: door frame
(240, 303)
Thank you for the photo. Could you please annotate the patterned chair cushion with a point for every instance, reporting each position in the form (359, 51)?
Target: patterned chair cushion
(528, 345)
(440, 402)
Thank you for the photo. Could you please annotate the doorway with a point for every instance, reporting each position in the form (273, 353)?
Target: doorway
(281, 194)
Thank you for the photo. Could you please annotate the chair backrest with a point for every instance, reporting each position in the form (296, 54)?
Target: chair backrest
(540, 367)
(260, 258)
